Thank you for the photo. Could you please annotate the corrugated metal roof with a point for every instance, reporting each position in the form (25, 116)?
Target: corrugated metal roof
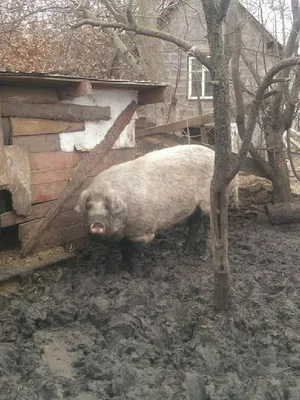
(44, 79)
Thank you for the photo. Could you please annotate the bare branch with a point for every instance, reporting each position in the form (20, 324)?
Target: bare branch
(256, 104)
(131, 60)
(236, 78)
(289, 51)
(90, 19)
(251, 68)
(129, 13)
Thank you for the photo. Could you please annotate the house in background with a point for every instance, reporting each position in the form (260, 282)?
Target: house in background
(189, 80)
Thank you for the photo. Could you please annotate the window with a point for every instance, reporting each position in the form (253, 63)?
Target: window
(199, 80)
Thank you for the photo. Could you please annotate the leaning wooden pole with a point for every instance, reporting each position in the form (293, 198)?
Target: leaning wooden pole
(83, 168)
(4, 179)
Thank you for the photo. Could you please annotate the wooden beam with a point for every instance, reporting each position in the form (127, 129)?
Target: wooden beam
(176, 126)
(4, 177)
(27, 126)
(37, 211)
(83, 168)
(11, 268)
(28, 94)
(58, 111)
(151, 96)
(284, 213)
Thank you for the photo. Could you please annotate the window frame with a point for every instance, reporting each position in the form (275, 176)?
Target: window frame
(203, 70)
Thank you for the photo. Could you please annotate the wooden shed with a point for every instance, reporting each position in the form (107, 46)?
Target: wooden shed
(49, 123)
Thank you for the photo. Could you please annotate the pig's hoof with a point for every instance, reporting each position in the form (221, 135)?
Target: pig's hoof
(127, 266)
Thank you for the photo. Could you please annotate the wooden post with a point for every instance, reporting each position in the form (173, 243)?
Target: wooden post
(83, 168)
(4, 179)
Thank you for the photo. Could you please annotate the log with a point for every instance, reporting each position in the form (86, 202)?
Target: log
(284, 213)
(83, 168)
(28, 94)
(58, 111)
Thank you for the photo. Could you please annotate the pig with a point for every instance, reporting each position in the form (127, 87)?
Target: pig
(132, 201)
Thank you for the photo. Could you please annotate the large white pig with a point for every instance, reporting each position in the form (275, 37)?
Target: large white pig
(132, 201)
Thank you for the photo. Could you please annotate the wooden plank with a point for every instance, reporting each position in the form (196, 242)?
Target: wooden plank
(51, 191)
(37, 211)
(27, 126)
(83, 168)
(58, 111)
(151, 96)
(38, 177)
(176, 126)
(12, 268)
(47, 191)
(39, 143)
(62, 220)
(4, 177)
(54, 160)
(27, 94)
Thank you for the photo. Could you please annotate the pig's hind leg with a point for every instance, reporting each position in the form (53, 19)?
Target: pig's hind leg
(194, 223)
(197, 220)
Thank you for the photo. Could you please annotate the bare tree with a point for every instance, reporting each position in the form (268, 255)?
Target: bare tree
(142, 50)
(215, 13)
(280, 106)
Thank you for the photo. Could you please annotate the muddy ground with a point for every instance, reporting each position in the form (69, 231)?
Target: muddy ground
(89, 330)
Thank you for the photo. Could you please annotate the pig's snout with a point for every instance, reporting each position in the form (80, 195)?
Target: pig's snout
(97, 228)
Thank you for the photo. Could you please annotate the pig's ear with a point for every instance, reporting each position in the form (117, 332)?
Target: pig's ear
(116, 205)
(83, 198)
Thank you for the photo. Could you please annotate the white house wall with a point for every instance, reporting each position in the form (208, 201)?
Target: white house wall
(95, 131)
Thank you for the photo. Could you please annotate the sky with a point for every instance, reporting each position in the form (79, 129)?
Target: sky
(275, 15)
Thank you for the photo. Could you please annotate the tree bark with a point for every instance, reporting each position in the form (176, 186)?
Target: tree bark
(219, 190)
(277, 160)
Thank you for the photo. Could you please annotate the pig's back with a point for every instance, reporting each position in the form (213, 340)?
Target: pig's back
(163, 186)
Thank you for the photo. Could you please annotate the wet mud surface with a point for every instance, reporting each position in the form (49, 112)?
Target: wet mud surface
(91, 331)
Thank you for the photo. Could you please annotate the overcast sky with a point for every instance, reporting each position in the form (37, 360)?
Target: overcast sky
(274, 14)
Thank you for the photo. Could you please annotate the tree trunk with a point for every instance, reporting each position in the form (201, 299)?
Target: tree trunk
(151, 56)
(277, 161)
(219, 197)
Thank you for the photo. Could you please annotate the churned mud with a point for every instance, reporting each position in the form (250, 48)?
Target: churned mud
(90, 331)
